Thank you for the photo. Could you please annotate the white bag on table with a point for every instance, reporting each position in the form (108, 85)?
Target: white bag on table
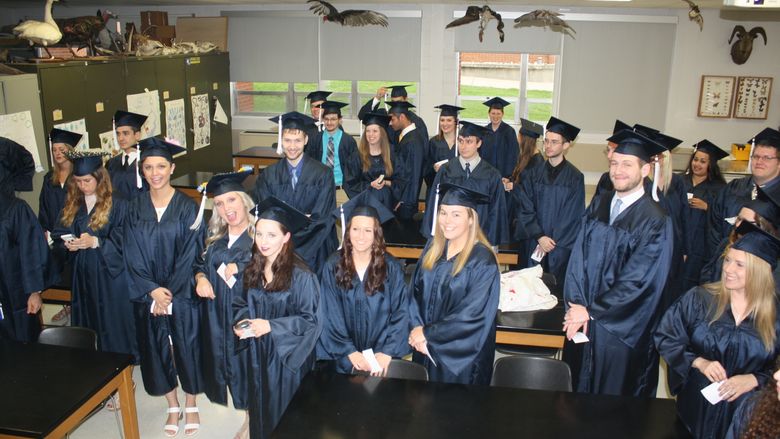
(524, 290)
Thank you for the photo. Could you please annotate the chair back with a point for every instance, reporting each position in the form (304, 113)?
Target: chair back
(406, 370)
(536, 373)
(69, 336)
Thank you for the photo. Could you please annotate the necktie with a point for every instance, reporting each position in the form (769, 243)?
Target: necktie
(468, 170)
(293, 177)
(127, 161)
(331, 151)
(615, 211)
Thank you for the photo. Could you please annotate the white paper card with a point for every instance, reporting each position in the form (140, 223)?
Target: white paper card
(580, 337)
(19, 128)
(731, 220)
(219, 114)
(221, 272)
(440, 162)
(538, 254)
(247, 333)
(368, 354)
(690, 195)
(168, 311)
(711, 392)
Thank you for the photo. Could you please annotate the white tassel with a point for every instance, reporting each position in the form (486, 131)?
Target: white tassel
(51, 153)
(457, 130)
(438, 123)
(656, 176)
(435, 211)
(343, 227)
(750, 154)
(361, 130)
(199, 218)
(138, 183)
(279, 139)
(319, 120)
(385, 100)
(305, 105)
(116, 141)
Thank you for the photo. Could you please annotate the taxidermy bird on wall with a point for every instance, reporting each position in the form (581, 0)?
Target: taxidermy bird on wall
(44, 33)
(83, 31)
(349, 17)
(545, 18)
(694, 14)
(743, 47)
(484, 14)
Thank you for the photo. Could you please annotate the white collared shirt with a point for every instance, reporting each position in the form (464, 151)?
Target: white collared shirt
(406, 130)
(474, 162)
(132, 156)
(627, 200)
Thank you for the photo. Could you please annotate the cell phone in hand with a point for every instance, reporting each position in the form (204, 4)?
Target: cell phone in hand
(381, 178)
(68, 237)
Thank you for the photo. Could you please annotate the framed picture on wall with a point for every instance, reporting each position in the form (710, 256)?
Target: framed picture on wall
(715, 96)
(753, 94)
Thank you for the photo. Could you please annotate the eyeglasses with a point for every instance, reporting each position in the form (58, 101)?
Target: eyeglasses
(762, 158)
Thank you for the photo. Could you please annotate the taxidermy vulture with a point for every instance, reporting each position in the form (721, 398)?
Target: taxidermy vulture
(740, 51)
(44, 33)
(545, 18)
(694, 14)
(484, 15)
(350, 17)
(83, 31)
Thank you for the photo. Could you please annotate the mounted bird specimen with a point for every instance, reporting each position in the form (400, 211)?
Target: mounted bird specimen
(350, 17)
(484, 15)
(743, 47)
(545, 18)
(694, 14)
(44, 33)
(82, 31)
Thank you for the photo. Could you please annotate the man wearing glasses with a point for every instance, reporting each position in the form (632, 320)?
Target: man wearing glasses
(333, 147)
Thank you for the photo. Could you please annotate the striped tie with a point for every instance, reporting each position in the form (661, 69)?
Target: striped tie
(331, 153)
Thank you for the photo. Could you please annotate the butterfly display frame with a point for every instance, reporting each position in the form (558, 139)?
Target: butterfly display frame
(716, 95)
(752, 99)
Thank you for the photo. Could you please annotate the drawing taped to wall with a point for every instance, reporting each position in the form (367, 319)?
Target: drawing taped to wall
(148, 104)
(19, 128)
(175, 124)
(201, 121)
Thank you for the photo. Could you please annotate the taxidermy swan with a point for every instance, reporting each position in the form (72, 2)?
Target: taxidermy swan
(44, 33)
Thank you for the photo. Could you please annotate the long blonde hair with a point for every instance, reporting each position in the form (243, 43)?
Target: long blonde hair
(365, 152)
(437, 247)
(760, 292)
(75, 199)
(56, 167)
(219, 228)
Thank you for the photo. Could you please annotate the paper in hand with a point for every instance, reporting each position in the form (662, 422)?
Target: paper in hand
(368, 354)
(428, 354)
(168, 310)
(711, 393)
(221, 272)
(580, 337)
(538, 254)
(247, 333)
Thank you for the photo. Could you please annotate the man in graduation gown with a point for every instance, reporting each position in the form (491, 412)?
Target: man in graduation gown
(333, 147)
(410, 154)
(616, 277)
(397, 94)
(501, 149)
(471, 171)
(123, 168)
(305, 184)
(23, 246)
(605, 184)
(316, 98)
(764, 168)
(552, 201)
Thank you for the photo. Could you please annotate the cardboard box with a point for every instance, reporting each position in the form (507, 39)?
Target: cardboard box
(212, 29)
(163, 34)
(153, 18)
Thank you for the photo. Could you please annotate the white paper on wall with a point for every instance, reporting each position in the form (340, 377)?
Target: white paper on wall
(19, 128)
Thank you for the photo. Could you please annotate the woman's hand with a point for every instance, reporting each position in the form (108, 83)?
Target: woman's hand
(231, 270)
(417, 339)
(546, 243)
(384, 362)
(83, 242)
(713, 370)
(576, 317)
(379, 183)
(697, 203)
(203, 287)
(508, 185)
(162, 298)
(34, 303)
(736, 386)
(359, 362)
(260, 327)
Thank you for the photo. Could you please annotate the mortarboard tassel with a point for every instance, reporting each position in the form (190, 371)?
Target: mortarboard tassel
(279, 139)
(51, 153)
(435, 211)
(754, 193)
(138, 182)
(457, 130)
(116, 141)
(438, 123)
(199, 218)
(656, 171)
(361, 129)
(343, 226)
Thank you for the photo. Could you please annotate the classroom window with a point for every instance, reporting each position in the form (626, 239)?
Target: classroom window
(527, 81)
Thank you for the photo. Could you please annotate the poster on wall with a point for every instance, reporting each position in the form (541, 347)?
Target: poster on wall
(77, 126)
(19, 128)
(175, 124)
(107, 143)
(201, 122)
(148, 104)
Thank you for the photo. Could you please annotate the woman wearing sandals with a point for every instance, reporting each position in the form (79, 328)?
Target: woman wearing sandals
(218, 279)
(277, 312)
(162, 240)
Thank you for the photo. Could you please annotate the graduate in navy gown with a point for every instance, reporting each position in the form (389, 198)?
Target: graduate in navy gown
(333, 147)
(372, 168)
(758, 417)
(315, 100)
(23, 246)
(397, 94)
(123, 168)
(725, 333)
(305, 184)
(605, 184)
(100, 286)
(455, 292)
(615, 279)
(411, 159)
(501, 149)
(551, 202)
(278, 314)
(444, 145)
(218, 275)
(702, 181)
(528, 136)
(162, 240)
(468, 169)
(365, 299)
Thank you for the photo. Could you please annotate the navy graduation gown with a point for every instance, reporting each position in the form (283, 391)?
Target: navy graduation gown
(223, 366)
(278, 361)
(684, 333)
(493, 217)
(392, 134)
(439, 150)
(517, 233)
(314, 195)
(618, 273)
(727, 204)
(695, 233)
(346, 149)
(354, 321)
(161, 254)
(675, 202)
(551, 205)
(410, 153)
(458, 317)
(604, 185)
(50, 203)
(22, 267)
(100, 284)
(501, 149)
(124, 179)
(358, 180)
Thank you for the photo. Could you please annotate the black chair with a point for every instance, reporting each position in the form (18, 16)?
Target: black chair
(69, 336)
(401, 369)
(532, 373)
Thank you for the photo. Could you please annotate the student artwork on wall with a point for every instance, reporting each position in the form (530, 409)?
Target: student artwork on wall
(175, 124)
(752, 97)
(715, 96)
(19, 128)
(77, 126)
(107, 142)
(148, 104)
(201, 122)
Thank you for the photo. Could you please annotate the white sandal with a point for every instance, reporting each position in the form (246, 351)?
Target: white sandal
(194, 427)
(171, 430)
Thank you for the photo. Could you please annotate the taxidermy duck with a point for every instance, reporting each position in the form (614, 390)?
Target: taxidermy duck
(349, 17)
(83, 31)
(484, 14)
(44, 33)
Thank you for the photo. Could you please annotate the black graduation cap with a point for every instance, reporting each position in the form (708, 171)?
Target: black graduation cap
(379, 117)
(471, 129)
(449, 110)
(636, 144)
(398, 91)
(758, 243)
(399, 107)
(620, 125)
(17, 167)
(531, 129)
(220, 184)
(565, 129)
(456, 195)
(319, 95)
(496, 102)
(711, 149)
(668, 142)
(645, 130)
(332, 107)
(294, 121)
(769, 137)
(57, 135)
(157, 147)
(86, 162)
(277, 210)
(364, 204)
(125, 118)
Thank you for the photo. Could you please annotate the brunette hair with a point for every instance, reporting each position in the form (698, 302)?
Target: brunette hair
(713, 170)
(527, 150)
(75, 198)
(282, 267)
(365, 152)
(765, 420)
(376, 273)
